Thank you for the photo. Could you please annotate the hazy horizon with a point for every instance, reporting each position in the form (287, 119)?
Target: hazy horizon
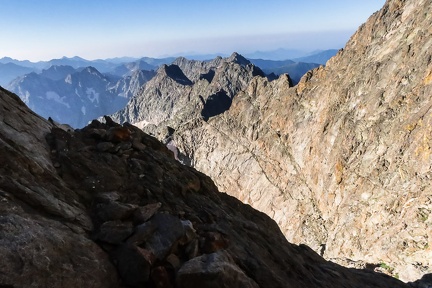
(48, 29)
(192, 55)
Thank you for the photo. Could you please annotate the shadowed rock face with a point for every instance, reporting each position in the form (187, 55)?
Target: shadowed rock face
(43, 223)
(109, 206)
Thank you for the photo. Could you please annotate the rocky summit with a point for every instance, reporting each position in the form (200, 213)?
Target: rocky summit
(109, 206)
(342, 161)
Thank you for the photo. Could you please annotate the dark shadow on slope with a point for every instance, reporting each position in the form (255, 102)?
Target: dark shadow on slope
(208, 76)
(425, 281)
(272, 76)
(175, 73)
(216, 104)
(256, 71)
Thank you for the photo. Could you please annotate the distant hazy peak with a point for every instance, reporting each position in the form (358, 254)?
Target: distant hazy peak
(94, 71)
(76, 58)
(182, 61)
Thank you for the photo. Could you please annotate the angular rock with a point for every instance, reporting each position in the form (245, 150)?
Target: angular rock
(113, 232)
(98, 134)
(142, 233)
(169, 230)
(37, 251)
(133, 264)
(174, 261)
(142, 214)
(118, 134)
(43, 222)
(107, 197)
(161, 278)
(104, 146)
(213, 241)
(213, 270)
(114, 211)
(190, 232)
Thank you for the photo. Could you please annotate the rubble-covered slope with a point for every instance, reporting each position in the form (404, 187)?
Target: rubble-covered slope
(109, 206)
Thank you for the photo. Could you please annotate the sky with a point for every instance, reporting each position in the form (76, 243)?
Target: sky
(93, 29)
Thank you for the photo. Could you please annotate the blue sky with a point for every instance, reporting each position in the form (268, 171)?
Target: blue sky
(46, 29)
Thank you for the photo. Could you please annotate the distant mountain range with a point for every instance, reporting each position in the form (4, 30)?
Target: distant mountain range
(319, 57)
(278, 54)
(103, 65)
(77, 95)
(15, 68)
(75, 90)
(295, 69)
(12, 68)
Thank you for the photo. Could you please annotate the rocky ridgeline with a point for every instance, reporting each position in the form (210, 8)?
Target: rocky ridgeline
(342, 161)
(109, 206)
(188, 90)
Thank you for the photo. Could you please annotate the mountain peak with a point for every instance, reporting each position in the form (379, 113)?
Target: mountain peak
(174, 72)
(239, 59)
(6, 59)
(75, 58)
(93, 71)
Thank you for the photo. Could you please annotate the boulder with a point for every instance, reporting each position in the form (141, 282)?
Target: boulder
(215, 270)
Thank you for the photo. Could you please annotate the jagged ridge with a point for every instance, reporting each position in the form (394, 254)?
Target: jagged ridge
(189, 89)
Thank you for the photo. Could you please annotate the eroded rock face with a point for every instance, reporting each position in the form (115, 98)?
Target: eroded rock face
(342, 161)
(72, 214)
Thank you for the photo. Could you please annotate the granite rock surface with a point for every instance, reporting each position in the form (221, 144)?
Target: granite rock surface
(342, 161)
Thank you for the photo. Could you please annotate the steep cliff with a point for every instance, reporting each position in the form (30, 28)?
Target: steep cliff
(342, 161)
(108, 206)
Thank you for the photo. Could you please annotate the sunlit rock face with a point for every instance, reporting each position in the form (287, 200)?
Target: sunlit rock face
(342, 161)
